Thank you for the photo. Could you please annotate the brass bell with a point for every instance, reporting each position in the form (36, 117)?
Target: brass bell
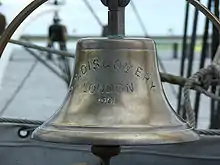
(115, 98)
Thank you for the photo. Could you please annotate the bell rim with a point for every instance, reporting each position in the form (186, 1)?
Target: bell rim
(121, 128)
(87, 137)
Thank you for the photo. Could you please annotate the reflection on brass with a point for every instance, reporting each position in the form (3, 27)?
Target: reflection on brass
(115, 98)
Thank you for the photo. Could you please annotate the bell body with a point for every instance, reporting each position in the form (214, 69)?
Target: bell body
(115, 98)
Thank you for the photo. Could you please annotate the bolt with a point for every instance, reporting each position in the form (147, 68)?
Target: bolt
(105, 2)
(122, 3)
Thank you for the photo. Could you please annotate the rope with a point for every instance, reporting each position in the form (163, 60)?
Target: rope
(204, 76)
(41, 52)
(41, 48)
(164, 70)
(21, 121)
(181, 81)
(65, 68)
(209, 132)
(48, 66)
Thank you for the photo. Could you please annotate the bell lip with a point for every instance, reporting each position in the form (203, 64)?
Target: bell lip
(89, 137)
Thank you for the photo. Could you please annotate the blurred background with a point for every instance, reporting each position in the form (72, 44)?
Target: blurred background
(30, 89)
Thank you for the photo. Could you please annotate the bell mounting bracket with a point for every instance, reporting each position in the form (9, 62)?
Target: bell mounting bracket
(116, 16)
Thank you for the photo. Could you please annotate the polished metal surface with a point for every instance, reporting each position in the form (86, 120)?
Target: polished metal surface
(115, 98)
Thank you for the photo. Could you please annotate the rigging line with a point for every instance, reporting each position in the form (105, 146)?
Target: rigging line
(44, 63)
(206, 12)
(65, 68)
(203, 58)
(192, 44)
(139, 18)
(93, 12)
(164, 70)
(20, 86)
(183, 58)
(215, 42)
(191, 60)
(41, 48)
(67, 74)
(145, 31)
(42, 52)
(68, 71)
(52, 62)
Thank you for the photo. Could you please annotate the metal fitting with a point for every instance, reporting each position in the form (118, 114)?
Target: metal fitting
(122, 3)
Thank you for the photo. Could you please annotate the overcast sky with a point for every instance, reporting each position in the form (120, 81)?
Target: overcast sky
(158, 16)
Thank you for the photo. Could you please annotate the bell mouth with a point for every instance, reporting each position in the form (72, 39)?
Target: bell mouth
(126, 136)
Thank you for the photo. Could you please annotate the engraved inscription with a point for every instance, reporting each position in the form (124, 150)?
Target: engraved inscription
(121, 66)
(96, 88)
(96, 64)
(83, 69)
(106, 100)
(152, 85)
(138, 71)
(118, 65)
